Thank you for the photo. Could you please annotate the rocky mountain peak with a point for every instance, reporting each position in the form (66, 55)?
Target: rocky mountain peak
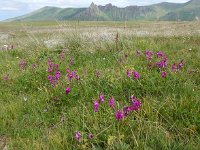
(93, 5)
(108, 6)
(93, 9)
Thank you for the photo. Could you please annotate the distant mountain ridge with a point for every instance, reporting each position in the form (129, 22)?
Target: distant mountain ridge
(162, 11)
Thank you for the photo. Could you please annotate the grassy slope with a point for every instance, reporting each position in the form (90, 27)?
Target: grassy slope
(169, 117)
(45, 13)
(50, 13)
(188, 12)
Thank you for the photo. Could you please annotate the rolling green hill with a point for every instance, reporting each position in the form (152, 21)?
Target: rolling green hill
(162, 11)
(188, 12)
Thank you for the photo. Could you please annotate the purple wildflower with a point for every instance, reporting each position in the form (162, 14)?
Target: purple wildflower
(49, 70)
(76, 77)
(57, 75)
(68, 70)
(164, 74)
(135, 105)
(68, 89)
(49, 62)
(78, 136)
(96, 105)
(112, 102)
(160, 54)
(90, 136)
(51, 66)
(127, 110)
(51, 79)
(173, 67)
(128, 72)
(149, 55)
(71, 75)
(180, 65)
(119, 115)
(162, 63)
(132, 97)
(101, 97)
(136, 75)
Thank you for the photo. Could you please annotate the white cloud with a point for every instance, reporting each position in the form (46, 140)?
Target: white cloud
(9, 8)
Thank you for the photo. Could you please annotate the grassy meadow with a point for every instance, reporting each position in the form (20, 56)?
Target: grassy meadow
(67, 85)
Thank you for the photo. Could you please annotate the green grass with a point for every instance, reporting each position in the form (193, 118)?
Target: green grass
(168, 118)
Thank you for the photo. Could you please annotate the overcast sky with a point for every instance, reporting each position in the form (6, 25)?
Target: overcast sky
(13, 8)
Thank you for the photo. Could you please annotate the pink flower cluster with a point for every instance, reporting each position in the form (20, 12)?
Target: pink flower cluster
(54, 73)
(135, 105)
(51, 66)
(101, 100)
(160, 54)
(162, 62)
(54, 76)
(96, 102)
(119, 115)
(149, 55)
(78, 136)
(136, 75)
(177, 67)
(71, 75)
